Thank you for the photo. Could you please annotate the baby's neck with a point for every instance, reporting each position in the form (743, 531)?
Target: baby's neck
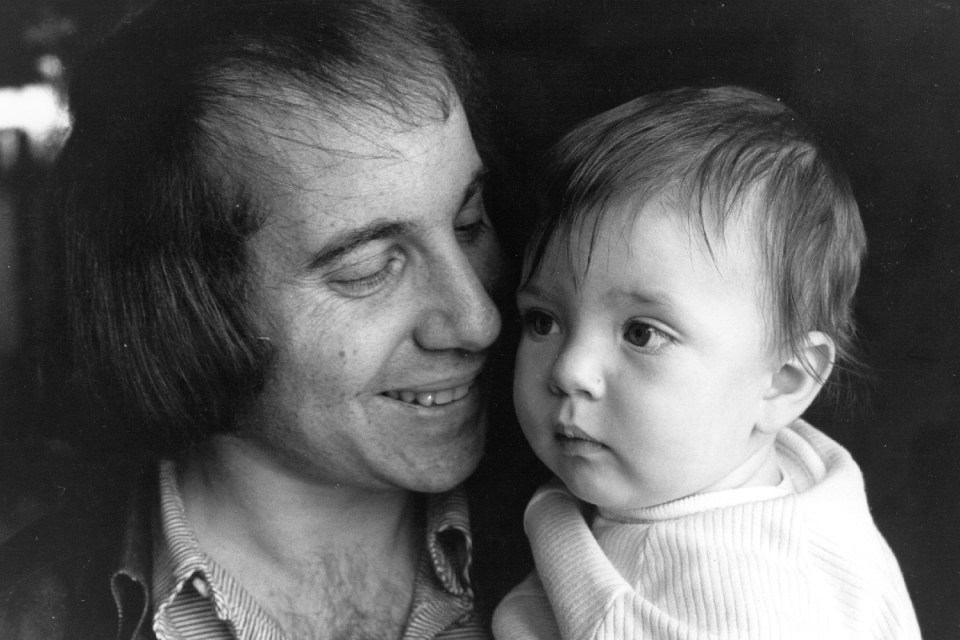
(760, 469)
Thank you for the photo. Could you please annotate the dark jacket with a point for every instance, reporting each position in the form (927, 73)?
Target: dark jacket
(58, 575)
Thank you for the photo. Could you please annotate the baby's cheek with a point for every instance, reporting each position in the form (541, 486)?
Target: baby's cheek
(526, 372)
(531, 410)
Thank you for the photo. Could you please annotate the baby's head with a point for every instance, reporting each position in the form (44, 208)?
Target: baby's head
(685, 296)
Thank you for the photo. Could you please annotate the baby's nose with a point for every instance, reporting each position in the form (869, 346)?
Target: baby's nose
(579, 369)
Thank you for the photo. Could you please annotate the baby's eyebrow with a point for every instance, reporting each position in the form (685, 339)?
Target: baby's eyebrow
(661, 299)
(532, 290)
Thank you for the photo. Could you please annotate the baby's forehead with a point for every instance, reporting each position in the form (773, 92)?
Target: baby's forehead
(619, 234)
(717, 228)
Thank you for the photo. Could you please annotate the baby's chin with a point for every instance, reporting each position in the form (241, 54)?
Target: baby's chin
(627, 501)
(610, 501)
(620, 495)
(627, 509)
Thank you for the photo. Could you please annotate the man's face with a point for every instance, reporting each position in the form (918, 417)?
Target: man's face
(371, 279)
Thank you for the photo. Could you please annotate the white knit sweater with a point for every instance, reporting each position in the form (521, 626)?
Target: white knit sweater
(758, 563)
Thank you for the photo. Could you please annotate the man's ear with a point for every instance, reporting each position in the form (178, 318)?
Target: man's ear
(797, 382)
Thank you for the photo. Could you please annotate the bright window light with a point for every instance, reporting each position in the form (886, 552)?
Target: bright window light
(38, 111)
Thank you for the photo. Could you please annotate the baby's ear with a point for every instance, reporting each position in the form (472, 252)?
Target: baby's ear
(798, 381)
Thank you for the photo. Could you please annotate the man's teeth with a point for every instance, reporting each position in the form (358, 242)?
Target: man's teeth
(430, 398)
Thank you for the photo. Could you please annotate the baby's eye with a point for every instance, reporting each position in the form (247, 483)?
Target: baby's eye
(643, 335)
(539, 322)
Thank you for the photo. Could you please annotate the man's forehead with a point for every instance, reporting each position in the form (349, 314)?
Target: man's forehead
(318, 178)
(268, 110)
(281, 141)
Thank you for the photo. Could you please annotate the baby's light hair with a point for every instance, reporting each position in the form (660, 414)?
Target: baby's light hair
(715, 153)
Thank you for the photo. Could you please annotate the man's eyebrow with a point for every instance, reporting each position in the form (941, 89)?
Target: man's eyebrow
(349, 240)
(380, 229)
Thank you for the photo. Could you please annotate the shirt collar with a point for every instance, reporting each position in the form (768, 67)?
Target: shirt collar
(159, 553)
(443, 594)
(449, 541)
(178, 559)
(176, 552)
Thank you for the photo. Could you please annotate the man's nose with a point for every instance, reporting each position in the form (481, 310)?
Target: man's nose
(458, 312)
(579, 368)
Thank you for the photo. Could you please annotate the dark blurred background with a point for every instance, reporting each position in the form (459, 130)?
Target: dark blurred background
(880, 79)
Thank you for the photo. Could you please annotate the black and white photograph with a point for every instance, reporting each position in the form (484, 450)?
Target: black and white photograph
(479, 319)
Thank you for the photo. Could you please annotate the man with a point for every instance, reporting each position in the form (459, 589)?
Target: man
(279, 267)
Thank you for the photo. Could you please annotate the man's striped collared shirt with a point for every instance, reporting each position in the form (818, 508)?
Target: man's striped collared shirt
(195, 599)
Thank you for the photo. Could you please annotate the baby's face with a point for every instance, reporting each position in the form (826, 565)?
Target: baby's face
(639, 381)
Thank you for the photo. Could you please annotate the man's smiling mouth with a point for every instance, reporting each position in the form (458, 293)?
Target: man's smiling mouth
(430, 398)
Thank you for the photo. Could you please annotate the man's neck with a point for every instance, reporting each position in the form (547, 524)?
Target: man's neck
(325, 555)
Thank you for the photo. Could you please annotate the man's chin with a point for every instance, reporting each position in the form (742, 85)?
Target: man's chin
(446, 472)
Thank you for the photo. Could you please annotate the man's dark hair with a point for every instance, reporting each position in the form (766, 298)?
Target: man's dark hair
(155, 222)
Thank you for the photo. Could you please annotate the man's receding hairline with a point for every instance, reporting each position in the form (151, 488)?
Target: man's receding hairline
(413, 98)
(234, 154)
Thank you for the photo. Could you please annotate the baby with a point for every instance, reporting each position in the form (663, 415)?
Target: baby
(684, 299)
